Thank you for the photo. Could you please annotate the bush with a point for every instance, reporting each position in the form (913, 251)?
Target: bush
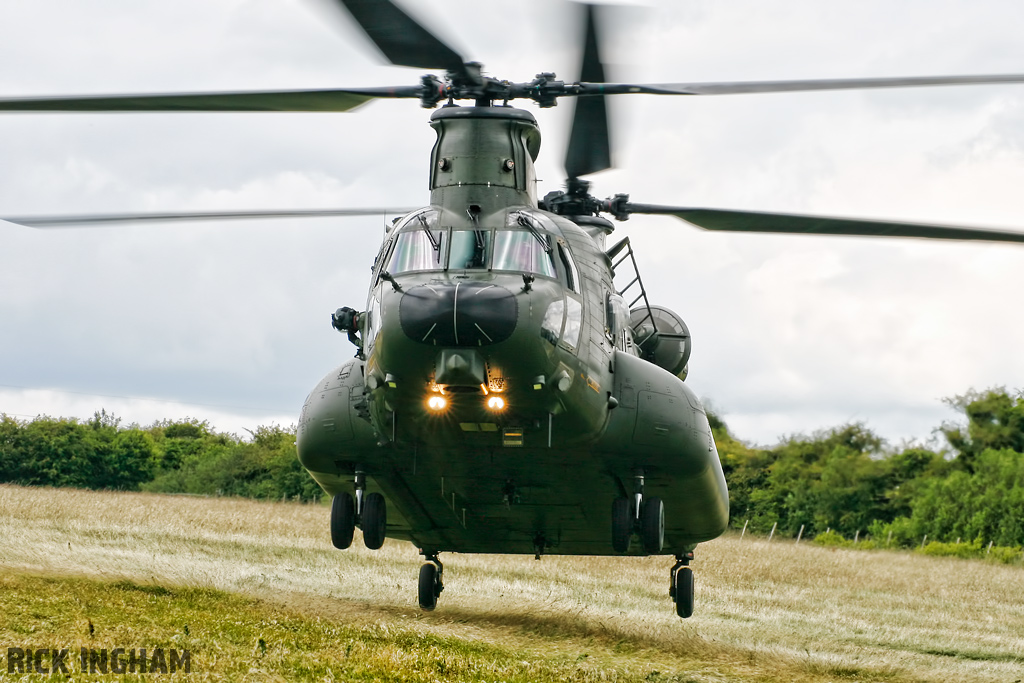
(1005, 555)
(972, 550)
(832, 539)
(899, 533)
(962, 550)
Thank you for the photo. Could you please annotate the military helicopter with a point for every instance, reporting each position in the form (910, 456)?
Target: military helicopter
(513, 390)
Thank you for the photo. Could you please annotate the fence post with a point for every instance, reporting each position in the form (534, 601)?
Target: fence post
(888, 541)
(923, 540)
(773, 531)
(856, 536)
(989, 547)
(745, 523)
(801, 534)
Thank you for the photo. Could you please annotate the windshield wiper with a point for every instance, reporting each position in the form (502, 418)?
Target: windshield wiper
(478, 234)
(434, 242)
(528, 223)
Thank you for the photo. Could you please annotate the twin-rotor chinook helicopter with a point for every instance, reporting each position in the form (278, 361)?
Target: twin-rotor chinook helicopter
(513, 391)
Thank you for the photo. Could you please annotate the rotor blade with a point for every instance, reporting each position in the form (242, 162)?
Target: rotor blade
(334, 100)
(86, 220)
(589, 147)
(755, 221)
(401, 39)
(742, 87)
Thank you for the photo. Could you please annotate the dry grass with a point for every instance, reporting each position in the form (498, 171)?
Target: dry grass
(765, 611)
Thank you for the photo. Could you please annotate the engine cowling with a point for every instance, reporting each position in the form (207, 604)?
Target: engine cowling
(663, 338)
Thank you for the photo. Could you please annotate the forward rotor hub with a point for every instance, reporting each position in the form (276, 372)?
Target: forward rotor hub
(469, 83)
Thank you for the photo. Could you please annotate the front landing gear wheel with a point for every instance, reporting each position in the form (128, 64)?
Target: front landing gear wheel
(622, 524)
(684, 592)
(652, 525)
(374, 520)
(430, 585)
(343, 520)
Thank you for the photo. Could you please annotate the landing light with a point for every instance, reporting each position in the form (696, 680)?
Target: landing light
(437, 403)
(496, 403)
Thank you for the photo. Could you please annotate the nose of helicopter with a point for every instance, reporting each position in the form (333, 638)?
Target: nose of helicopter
(458, 314)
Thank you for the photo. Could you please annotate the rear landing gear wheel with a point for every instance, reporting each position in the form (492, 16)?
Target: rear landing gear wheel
(343, 520)
(430, 584)
(374, 520)
(427, 587)
(684, 592)
(652, 525)
(622, 524)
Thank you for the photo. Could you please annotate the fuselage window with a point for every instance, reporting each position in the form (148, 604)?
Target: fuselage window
(618, 321)
(418, 249)
(470, 249)
(521, 251)
(573, 321)
(551, 327)
(572, 274)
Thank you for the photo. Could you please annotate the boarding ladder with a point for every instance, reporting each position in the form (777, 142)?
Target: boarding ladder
(618, 248)
(647, 342)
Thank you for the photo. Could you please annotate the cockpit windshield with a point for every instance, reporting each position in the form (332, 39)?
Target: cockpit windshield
(421, 248)
(522, 247)
(470, 249)
(521, 251)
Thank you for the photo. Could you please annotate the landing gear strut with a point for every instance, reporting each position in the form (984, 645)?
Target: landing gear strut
(643, 516)
(681, 585)
(430, 585)
(368, 511)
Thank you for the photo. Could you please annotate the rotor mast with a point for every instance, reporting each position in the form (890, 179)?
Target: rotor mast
(483, 158)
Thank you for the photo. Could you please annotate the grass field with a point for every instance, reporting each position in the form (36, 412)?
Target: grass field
(256, 592)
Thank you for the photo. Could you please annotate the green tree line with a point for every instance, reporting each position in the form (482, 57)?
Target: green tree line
(844, 479)
(184, 456)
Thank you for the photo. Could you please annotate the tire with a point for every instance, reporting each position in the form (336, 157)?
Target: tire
(684, 592)
(622, 524)
(652, 525)
(343, 520)
(428, 587)
(374, 521)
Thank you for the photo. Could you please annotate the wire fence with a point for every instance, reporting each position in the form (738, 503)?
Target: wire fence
(834, 538)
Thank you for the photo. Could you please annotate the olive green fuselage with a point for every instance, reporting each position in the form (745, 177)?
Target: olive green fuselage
(483, 298)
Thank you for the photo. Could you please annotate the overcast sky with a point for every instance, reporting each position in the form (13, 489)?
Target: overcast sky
(231, 322)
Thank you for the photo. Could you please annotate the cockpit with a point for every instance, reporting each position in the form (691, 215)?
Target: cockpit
(525, 244)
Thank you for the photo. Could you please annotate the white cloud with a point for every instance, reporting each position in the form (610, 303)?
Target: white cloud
(791, 333)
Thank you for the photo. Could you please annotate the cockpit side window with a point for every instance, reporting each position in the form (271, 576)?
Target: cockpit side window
(572, 273)
(384, 249)
(521, 251)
